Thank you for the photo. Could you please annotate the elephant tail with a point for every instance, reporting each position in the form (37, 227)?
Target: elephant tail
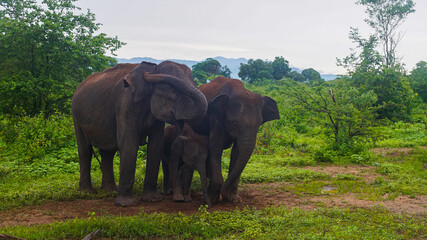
(96, 156)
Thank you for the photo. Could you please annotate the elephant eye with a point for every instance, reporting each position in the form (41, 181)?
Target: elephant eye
(234, 123)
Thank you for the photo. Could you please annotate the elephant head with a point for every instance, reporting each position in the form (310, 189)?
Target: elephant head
(174, 95)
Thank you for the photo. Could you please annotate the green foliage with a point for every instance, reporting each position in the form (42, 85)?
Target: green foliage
(369, 70)
(46, 50)
(400, 134)
(209, 69)
(347, 112)
(268, 223)
(418, 80)
(32, 139)
(385, 16)
(395, 96)
(310, 74)
(296, 76)
(257, 70)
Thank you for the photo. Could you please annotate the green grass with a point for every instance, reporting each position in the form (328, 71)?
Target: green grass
(401, 135)
(39, 163)
(268, 223)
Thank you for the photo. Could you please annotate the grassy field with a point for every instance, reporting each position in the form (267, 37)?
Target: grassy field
(294, 187)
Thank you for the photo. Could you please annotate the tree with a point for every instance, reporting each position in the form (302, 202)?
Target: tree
(368, 60)
(46, 50)
(264, 74)
(310, 74)
(418, 80)
(371, 71)
(278, 69)
(202, 71)
(225, 71)
(348, 111)
(385, 16)
(209, 66)
(296, 76)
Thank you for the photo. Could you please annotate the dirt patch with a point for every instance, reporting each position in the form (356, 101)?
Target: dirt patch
(393, 152)
(253, 196)
(402, 204)
(368, 173)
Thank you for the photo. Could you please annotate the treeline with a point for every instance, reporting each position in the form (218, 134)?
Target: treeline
(253, 71)
(46, 50)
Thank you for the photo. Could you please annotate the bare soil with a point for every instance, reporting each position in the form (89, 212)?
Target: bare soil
(253, 196)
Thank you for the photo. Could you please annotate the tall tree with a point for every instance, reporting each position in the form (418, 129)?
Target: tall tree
(381, 73)
(280, 68)
(296, 76)
(202, 71)
(310, 74)
(46, 49)
(418, 80)
(257, 69)
(385, 16)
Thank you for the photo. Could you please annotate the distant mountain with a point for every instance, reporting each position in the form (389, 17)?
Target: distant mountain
(328, 77)
(232, 63)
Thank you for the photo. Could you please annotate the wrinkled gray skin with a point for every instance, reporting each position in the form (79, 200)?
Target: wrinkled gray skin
(233, 118)
(183, 153)
(119, 108)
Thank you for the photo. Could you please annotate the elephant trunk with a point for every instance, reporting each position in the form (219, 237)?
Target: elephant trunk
(195, 99)
(245, 147)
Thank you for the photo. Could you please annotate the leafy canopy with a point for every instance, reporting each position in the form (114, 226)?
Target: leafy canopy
(258, 69)
(208, 69)
(385, 16)
(418, 80)
(46, 49)
(381, 73)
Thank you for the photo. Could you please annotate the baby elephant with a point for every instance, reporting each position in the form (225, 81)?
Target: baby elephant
(183, 153)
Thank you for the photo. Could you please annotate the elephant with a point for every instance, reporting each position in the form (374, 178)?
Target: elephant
(233, 119)
(184, 151)
(119, 108)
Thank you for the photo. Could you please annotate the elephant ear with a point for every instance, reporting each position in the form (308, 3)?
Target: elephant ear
(178, 145)
(217, 105)
(134, 80)
(269, 110)
(173, 99)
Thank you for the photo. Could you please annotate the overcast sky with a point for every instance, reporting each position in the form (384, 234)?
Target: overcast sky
(307, 33)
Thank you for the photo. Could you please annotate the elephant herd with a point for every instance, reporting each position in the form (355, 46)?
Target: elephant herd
(127, 106)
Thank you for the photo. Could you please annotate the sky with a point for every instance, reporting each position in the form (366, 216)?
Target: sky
(307, 33)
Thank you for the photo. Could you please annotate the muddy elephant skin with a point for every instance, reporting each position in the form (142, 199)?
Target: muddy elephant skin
(123, 106)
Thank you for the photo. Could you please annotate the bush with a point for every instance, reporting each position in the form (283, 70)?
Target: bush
(33, 138)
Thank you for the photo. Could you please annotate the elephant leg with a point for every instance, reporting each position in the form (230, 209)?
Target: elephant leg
(175, 177)
(154, 154)
(231, 194)
(108, 182)
(85, 160)
(127, 176)
(187, 178)
(214, 170)
(167, 187)
(241, 153)
(128, 147)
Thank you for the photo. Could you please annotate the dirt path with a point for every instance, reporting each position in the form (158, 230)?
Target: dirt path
(253, 195)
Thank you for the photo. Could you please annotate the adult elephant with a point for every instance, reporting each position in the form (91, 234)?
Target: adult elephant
(117, 109)
(233, 118)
